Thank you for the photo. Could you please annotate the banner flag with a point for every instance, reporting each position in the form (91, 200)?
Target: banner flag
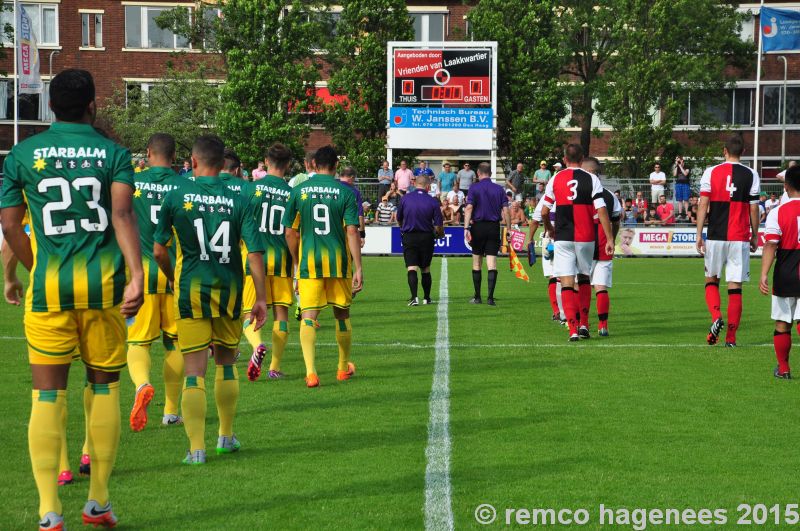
(780, 29)
(30, 82)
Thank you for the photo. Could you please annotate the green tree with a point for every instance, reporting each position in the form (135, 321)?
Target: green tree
(357, 54)
(531, 99)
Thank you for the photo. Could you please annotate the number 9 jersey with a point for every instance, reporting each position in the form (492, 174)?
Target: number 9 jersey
(64, 175)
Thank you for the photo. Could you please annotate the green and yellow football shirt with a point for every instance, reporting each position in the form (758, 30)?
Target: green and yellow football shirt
(269, 198)
(320, 209)
(152, 186)
(207, 221)
(64, 175)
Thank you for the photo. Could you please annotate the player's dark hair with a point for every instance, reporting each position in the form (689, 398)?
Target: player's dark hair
(592, 165)
(71, 92)
(484, 168)
(231, 162)
(209, 150)
(735, 145)
(573, 153)
(326, 158)
(162, 144)
(349, 171)
(793, 178)
(279, 156)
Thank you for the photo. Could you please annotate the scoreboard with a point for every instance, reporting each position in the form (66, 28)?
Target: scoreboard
(442, 77)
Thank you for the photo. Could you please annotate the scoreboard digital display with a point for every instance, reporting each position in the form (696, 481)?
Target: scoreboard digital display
(437, 93)
(443, 77)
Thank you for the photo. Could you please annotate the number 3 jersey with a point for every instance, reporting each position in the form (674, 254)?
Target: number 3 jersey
(269, 197)
(152, 186)
(64, 175)
(730, 188)
(782, 228)
(320, 209)
(577, 194)
(206, 221)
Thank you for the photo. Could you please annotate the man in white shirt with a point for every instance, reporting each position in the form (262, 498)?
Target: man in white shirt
(657, 181)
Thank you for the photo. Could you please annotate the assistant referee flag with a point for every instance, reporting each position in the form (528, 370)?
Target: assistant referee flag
(516, 265)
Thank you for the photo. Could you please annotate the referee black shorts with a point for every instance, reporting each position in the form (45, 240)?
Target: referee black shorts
(485, 238)
(418, 249)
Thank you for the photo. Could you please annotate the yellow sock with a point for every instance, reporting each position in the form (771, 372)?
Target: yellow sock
(308, 342)
(44, 444)
(104, 429)
(280, 335)
(344, 338)
(193, 405)
(139, 364)
(226, 394)
(253, 336)
(87, 413)
(63, 463)
(173, 376)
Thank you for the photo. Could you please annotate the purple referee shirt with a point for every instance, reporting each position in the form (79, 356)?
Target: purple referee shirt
(359, 199)
(419, 212)
(487, 200)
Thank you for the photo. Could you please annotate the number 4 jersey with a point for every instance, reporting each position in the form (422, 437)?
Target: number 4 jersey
(206, 221)
(731, 188)
(64, 175)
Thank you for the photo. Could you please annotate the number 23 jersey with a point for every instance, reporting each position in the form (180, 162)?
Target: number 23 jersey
(206, 221)
(64, 175)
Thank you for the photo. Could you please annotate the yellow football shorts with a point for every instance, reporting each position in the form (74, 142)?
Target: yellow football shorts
(280, 292)
(318, 293)
(198, 334)
(156, 314)
(98, 335)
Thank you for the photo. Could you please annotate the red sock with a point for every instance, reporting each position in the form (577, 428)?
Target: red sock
(713, 300)
(603, 306)
(734, 314)
(569, 300)
(783, 344)
(551, 291)
(585, 301)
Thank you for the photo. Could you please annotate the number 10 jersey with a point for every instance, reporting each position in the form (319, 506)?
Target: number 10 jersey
(64, 175)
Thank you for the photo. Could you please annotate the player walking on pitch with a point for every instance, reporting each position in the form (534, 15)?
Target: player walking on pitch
(209, 220)
(269, 197)
(157, 315)
(78, 189)
(729, 197)
(579, 197)
(782, 241)
(321, 223)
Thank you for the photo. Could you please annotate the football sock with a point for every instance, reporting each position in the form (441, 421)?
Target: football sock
(560, 300)
(476, 282)
(585, 301)
(344, 338)
(226, 393)
(280, 336)
(63, 462)
(308, 343)
(568, 297)
(551, 292)
(253, 336)
(173, 376)
(412, 282)
(193, 406)
(603, 306)
(87, 415)
(492, 275)
(44, 442)
(734, 314)
(427, 282)
(139, 364)
(713, 300)
(783, 344)
(104, 428)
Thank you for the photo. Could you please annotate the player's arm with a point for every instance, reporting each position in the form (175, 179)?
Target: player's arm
(702, 212)
(258, 314)
(767, 258)
(755, 219)
(506, 213)
(162, 237)
(605, 222)
(13, 213)
(161, 256)
(12, 287)
(467, 220)
(291, 220)
(127, 230)
(354, 243)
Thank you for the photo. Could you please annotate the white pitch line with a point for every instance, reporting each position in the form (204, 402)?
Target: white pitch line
(438, 505)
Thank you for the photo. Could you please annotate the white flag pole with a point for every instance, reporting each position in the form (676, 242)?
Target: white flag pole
(758, 86)
(16, 74)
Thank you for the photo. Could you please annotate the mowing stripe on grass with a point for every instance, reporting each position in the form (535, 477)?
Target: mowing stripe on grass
(438, 507)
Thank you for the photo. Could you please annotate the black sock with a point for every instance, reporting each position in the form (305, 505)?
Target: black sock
(427, 281)
(492, 281)
(476, 281)
(412, 282)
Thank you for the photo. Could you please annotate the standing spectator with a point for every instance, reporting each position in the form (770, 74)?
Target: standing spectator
(446, 179)
(423, 170)
(385, 176)
(403, 177)
(465, 178)
(641, 206)
(657, 181)
(682, 186)
(665, 211)
(187, 167)
(386, 212)
(542, 175)
(772, 202)
(259, 172)
(516, 181)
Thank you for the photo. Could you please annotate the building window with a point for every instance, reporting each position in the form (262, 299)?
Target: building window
(774, 105)
(91, 30)
(726, 107)
(747, 32)
(44, 22)
(141, 30)
(429, 26)
(32, 107)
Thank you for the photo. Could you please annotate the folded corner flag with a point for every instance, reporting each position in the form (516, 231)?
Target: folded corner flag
(516, 265)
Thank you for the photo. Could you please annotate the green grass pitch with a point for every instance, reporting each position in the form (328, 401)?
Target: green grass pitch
(650, 417)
